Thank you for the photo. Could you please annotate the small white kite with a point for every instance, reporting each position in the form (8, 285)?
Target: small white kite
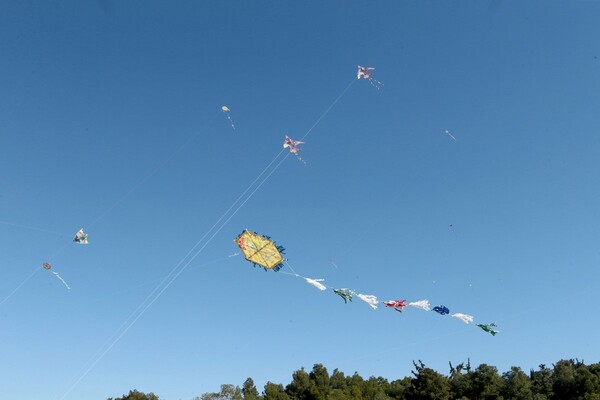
(447, 132)
(226, 110)
(363, 72)
(293, 146)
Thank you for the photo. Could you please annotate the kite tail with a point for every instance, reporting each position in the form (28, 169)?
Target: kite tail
(375, 83)
(61, 279)
(231, 121)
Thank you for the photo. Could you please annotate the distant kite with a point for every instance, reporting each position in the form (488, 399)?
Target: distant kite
(489, 328)
(422, 304)
(316, 283)
(48, 267)
(363, 72)
(81, 237)
(345, 294)
(447, 132)
(467, 319)
(397, 305)
(227, 112)
(293, 145)
(260, 250)
(443, 310)
(369, 299)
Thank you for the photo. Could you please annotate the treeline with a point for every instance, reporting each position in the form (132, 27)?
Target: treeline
(566, 380)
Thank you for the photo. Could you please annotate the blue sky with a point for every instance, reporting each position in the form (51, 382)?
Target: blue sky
(110, 120)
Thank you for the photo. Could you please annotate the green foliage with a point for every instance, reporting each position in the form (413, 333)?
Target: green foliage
(228, 392)
(275, 392)
(135, 395)
(249, 390)
(516, 385)
(567, 380)
(486, 383)
(428, 384)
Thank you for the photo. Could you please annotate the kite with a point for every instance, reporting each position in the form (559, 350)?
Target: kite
(293, 146)
(443, 310)
(226, 111)
(467, 319)
(363, 72)
(449, 134)
(422, 304)
(345, 294)
(369, 299)
(489, 328)
(48, 267)
(81, 237)
(397, 305)
(260, 250)
(316, 283)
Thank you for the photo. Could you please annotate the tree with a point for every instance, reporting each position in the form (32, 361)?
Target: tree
(274, 391)
(249, 391)
(337, 380)
(461, 384)
(135, 395)
(301, 386)
(486, 383)
(427, 384)
(541, 383)
(228, 392)
(374, 389)
(397, 389)
(516, 385)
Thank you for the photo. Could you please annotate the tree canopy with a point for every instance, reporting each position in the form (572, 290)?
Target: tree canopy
(566, 380)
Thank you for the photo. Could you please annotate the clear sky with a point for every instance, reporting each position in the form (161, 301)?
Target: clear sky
(110, 120)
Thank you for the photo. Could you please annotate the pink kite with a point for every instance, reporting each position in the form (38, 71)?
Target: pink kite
(397, 305)
(293, 146)
(363, 72)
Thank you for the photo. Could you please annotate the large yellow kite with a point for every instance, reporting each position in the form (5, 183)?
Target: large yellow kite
(260, 250)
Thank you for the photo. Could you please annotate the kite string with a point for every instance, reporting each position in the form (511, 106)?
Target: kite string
(152, 173)
(143, 310)
(19, 286)
(290, 267)
(33, 228)
(329, 108)
(106, 342)
(115, 204)
(168, 284)
(250, 186)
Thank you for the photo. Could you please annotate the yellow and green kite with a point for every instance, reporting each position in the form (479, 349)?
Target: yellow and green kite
(260, 250)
